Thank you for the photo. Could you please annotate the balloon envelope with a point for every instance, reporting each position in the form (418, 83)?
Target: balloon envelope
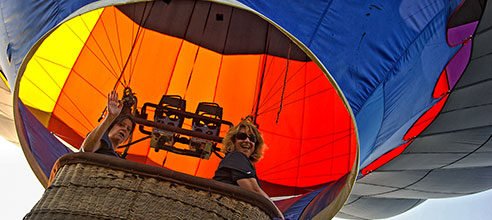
(203, 52)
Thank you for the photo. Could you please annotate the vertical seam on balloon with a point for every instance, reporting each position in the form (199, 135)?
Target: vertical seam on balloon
(118, 36)
(198, 165)
(176, 61)
(261, 71)
(135, 41)
(218, 77)
(180, 47)
(198, 50)
(266, 70)
(316, 29)
(132, 67)
(302, 132)
(174, 67)
(113, 70)
(222, 54)
(109, 40)
(218, 74)
(133, 62)
(379, 129)
(285, 82)
(259, 83)
(191, 72)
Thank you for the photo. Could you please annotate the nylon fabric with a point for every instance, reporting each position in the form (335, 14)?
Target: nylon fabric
(45, 147)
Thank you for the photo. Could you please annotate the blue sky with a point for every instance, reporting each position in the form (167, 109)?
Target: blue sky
(20, 190)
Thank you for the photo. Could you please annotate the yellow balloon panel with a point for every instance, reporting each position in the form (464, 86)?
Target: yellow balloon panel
(51, 64)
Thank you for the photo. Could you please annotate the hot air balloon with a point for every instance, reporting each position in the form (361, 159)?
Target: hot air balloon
(327, 82)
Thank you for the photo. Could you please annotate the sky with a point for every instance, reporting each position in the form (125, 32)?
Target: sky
(20, 190)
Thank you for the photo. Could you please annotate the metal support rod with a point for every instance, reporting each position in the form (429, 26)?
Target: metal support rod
(190, 115)
(166, 127)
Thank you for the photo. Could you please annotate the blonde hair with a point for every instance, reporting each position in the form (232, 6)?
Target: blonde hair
(230, 139)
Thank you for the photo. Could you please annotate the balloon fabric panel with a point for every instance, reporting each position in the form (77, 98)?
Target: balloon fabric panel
(442, 86)
(308, 154)
(49, 70)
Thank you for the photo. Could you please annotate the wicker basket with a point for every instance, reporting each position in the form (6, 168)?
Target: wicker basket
(92, 186)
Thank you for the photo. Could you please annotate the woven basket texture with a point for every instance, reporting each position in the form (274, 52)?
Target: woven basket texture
(81, 191)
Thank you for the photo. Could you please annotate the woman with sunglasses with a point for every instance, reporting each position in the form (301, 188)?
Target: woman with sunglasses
(243, 147)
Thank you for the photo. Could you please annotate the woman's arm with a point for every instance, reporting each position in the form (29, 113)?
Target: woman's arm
(92, 142)
(251, 185)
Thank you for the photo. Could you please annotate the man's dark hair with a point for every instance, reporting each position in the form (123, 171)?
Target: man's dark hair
(121, 118)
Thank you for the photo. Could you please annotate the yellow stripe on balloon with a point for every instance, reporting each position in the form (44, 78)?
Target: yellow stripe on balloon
(48, 69)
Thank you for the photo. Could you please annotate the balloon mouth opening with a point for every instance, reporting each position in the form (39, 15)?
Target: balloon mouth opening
(305, 120)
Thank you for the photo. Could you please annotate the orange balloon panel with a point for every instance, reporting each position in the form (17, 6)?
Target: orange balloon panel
(313, 135)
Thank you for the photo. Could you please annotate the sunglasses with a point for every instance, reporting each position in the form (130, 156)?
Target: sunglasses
(243, 136)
